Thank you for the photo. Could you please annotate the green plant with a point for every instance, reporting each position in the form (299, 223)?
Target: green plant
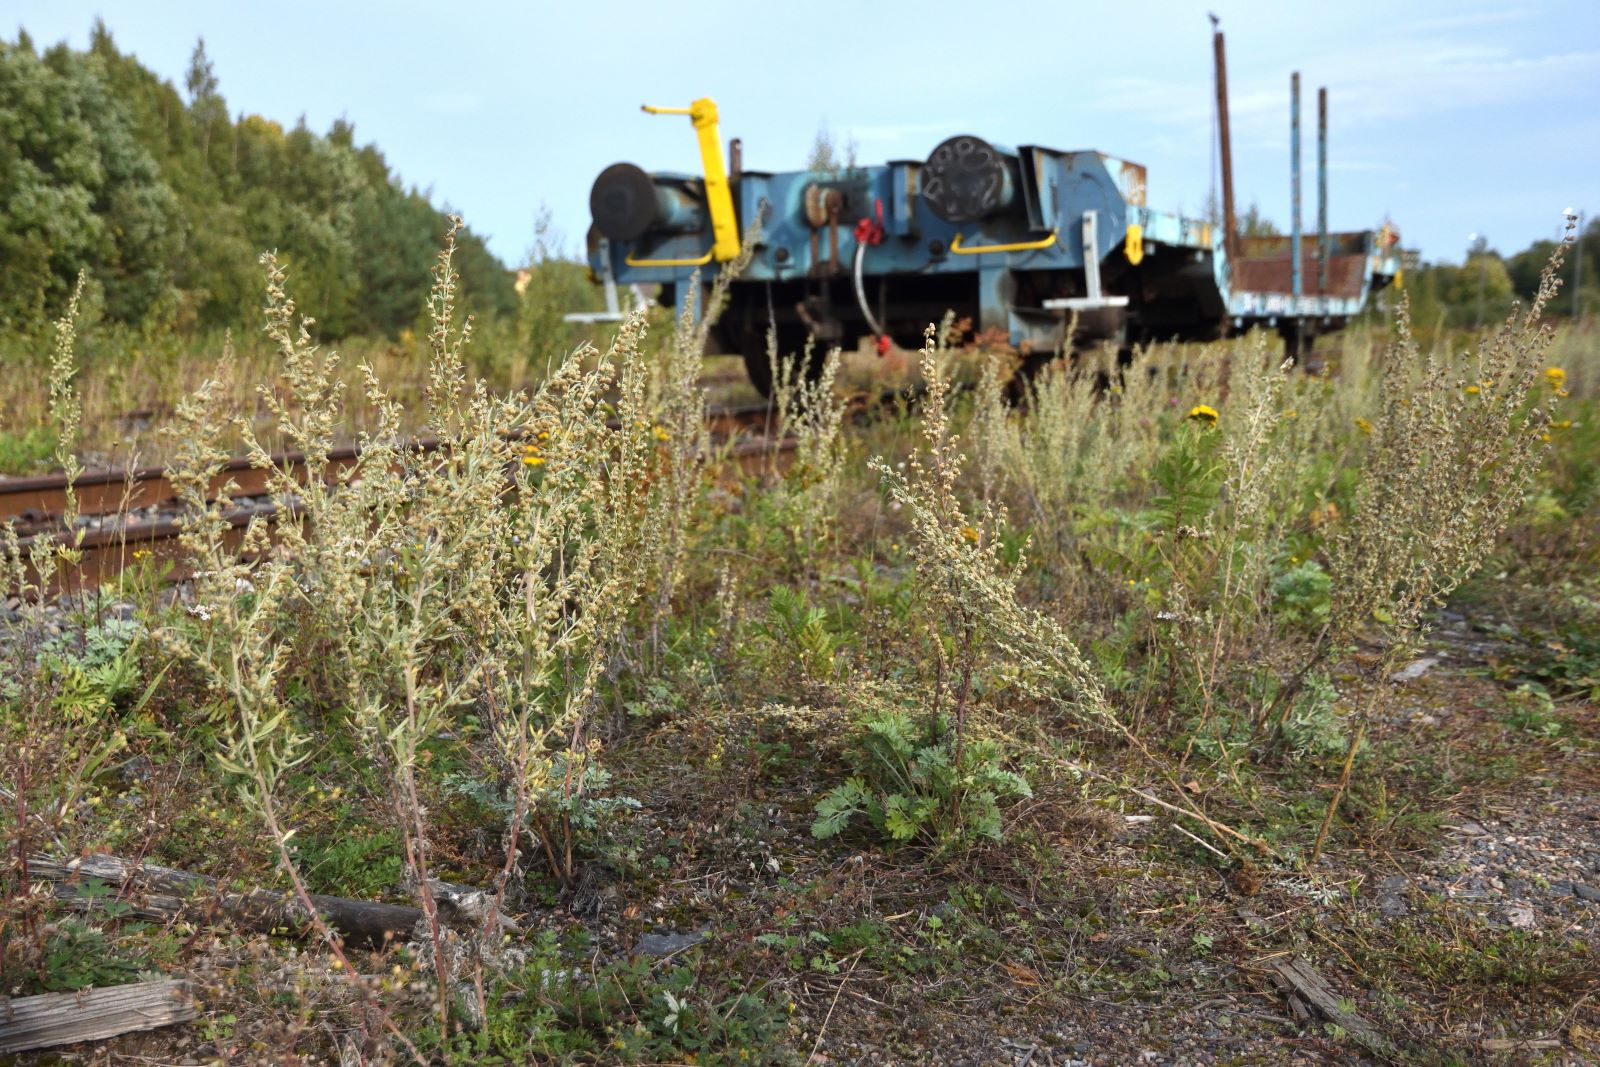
(799, 634)
(23, 452)
(1530, 709)
(916, 783)
(1301, 595)
(548, 1009)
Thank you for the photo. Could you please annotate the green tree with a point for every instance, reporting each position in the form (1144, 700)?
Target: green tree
(77, 190)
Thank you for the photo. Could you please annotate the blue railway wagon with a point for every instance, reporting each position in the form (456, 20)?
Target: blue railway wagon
(1023, 240)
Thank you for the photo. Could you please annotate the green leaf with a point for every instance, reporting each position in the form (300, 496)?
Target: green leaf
(837, 806)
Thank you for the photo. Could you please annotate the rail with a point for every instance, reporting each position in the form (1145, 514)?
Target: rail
(134, 514)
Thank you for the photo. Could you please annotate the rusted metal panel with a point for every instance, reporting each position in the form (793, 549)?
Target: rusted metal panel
(1275, 274)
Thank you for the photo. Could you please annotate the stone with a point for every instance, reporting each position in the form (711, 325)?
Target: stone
(668, 943)
(1415, 669)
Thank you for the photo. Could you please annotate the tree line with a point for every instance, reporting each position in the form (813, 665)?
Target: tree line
(1482, 288)
(166, 201)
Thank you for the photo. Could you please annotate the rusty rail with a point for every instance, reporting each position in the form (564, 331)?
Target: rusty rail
(34, 505)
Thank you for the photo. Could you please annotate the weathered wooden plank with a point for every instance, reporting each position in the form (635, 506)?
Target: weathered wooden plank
(170, 893)
(1311, 986)
(92, 1015)
(156, 892)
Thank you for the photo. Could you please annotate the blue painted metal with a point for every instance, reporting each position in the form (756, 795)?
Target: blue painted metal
(1297, 283)
(1322, 190)
(1183, 286)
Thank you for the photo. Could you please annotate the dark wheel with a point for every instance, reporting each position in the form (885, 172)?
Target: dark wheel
(791, 348)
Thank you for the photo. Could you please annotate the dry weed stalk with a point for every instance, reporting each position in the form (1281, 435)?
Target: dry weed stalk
(428, 583)
(970, 596)
(1454, 449)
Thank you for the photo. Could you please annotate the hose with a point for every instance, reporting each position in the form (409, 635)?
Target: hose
(861, 290)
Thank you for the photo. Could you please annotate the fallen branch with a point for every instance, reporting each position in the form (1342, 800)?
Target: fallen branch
(163, 893)
(92, 1015)
(1205, 820)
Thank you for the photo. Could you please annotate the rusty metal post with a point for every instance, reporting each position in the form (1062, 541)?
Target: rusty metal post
(1230, 225)
(1297, 284)
(1322, 190)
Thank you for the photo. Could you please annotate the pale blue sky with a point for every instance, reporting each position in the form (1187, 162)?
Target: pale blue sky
(1450, 116)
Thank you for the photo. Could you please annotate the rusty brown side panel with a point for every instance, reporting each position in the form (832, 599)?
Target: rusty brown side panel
(1274, 274)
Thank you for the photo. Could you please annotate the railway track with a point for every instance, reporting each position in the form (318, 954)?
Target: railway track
(129, 516)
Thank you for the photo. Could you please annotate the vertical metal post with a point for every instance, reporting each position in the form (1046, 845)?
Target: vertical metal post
(1322, 190)
(609, 278)
(735, 159)
(1091, 255)
(1230, 225)
(1297, 284)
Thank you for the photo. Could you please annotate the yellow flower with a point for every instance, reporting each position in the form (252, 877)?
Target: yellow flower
(1363, 425)
(1290, 414)
(1472, 390)
(1564, 424)
(544, 435)
(660, 432)
(532, 461)
(1545, 438)
(970, 534)
(1557, 376)
(1204, 413)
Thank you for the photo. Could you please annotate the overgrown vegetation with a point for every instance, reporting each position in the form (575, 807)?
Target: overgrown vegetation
(874, 710)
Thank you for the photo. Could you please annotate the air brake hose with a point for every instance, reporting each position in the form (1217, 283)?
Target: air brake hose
(861, 289)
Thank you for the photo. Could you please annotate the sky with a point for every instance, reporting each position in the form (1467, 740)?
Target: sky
(1451, 117)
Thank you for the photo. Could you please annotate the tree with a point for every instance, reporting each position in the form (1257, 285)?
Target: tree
(1254, 224)
(167, 202)
(825, 153)
(77, 190)
(206, 107)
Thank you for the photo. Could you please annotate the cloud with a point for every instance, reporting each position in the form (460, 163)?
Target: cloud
(1397, 76)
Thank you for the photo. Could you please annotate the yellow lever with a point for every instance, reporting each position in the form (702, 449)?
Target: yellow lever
(1017, 246)
(719, 198)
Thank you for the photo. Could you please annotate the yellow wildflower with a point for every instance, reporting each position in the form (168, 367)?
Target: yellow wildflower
(1564, 424)
(660, 432)
(1472, 390)
(1363, 425)
(1204, 413)
(533, 461)
(1557, 376)
(970, 534)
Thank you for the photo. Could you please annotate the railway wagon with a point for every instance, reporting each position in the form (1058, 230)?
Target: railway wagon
(1023, 240)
